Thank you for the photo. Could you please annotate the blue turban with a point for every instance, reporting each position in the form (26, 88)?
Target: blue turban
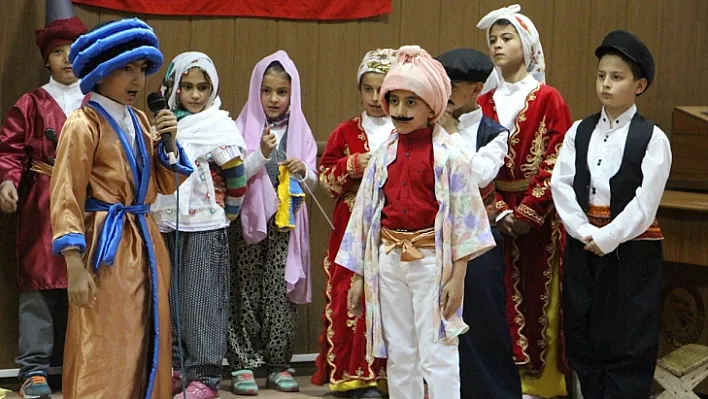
(112, 46)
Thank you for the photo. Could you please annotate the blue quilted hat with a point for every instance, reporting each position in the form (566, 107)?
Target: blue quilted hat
(112, 46)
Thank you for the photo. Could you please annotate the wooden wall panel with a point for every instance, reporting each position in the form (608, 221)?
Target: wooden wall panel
(569, 66)
(648, 26)
(420, 24)
(458, 25)
(327, 55)
(338, 95)
(216, 38)
(381, 32)
(601, 22)
(172, 32)
(253, 40)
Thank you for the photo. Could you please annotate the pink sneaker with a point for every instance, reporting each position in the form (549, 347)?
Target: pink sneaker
(176, 382)
(197, 390)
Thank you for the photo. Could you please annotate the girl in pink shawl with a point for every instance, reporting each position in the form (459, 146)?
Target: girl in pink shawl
(263, 306)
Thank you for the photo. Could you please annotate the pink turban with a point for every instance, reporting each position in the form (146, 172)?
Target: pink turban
(416, 71)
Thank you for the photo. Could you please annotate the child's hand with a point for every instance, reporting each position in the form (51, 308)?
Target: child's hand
(166, 123)
(8, 197)
(506, 225)
(592, 247)
(356, 289)
(452, 296)
(520, 227)
(295, 167)
(363, 160)
(268, 142)
(82, 288)
(448, 122)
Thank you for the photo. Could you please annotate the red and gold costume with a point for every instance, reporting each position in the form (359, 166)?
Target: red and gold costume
(342, 360)
(533, 260)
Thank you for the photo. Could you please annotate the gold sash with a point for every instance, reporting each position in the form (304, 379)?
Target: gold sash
(41, 168)
(410, 242)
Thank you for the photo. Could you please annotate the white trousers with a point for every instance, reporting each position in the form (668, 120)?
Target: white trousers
(406, 293)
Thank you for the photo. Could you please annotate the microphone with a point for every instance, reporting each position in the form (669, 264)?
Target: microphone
(156, 102)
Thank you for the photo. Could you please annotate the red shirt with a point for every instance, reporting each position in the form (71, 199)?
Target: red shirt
(410, 188)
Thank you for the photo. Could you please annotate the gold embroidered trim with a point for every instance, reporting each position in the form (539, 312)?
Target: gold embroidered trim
(330, 334)
(512, 186)
(530, 213)
(553, 252)
(514, 139)
(517, 298)
(536, 152)
(350, 199)
(362, 134)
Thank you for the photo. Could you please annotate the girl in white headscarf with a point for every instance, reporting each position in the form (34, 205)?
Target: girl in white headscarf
(209, 199)
(537, 118)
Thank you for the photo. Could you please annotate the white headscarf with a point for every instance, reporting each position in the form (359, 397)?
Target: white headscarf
(530, 43)
(199, 133)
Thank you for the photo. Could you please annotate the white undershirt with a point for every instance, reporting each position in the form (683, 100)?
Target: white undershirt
(377, 129)
(69, 98)
(120, 113)
(510, 99)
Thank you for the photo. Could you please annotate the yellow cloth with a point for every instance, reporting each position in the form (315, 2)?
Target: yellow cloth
(41, 168)
(551, 382)
(344, 386)
(3, 393)
(290, 198)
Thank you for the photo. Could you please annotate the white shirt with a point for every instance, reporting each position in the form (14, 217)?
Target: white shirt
(69, 98)
(377, 129)
(605, 154)
(487, 160)
(255, 160)
(120, 113)
(510, 99)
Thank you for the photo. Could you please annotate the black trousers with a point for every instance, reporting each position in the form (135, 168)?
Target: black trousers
(611, 310)
(487, 369)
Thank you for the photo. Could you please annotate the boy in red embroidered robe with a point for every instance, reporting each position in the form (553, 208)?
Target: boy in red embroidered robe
(537, 118)
(342, 361)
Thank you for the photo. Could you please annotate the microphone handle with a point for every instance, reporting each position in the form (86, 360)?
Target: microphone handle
(169, 146)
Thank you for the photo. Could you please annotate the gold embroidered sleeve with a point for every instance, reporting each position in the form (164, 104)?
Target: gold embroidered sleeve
(538, 202)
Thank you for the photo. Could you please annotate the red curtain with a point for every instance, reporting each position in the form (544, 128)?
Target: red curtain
(288, 9)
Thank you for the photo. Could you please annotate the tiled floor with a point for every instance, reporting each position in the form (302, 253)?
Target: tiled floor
(306, 391)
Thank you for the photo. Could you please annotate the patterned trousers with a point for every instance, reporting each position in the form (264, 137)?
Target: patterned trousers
(262, 321)
(203, 302)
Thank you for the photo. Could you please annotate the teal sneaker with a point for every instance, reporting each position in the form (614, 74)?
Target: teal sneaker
(243, 383)
(35, 387)
(282, 382)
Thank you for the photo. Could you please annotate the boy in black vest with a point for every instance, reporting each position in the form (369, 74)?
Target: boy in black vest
(607, 184)
(487, 368)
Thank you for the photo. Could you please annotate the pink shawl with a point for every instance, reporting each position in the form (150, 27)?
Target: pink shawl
(261, 201)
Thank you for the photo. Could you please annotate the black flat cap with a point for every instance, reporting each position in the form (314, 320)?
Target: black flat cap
(466, 65)
(631, 47)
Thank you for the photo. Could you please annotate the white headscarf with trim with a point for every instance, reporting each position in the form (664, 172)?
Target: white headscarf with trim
(530, 42)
